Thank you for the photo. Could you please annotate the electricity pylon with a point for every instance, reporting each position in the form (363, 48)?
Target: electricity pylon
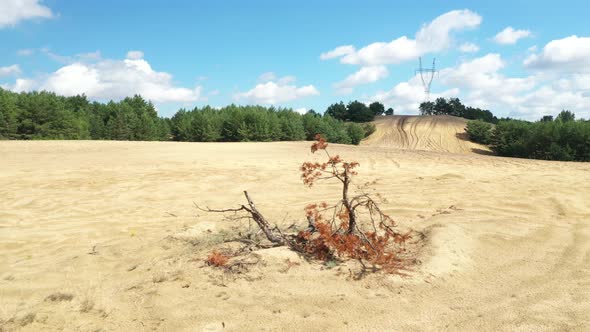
(427, 76)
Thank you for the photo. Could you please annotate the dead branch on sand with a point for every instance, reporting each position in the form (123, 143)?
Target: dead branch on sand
(344, 234)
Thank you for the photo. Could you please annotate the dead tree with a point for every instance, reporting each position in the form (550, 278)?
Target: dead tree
(375, 241)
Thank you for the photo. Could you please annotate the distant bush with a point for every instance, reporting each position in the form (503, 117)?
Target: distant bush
(369, 129)
(562, 139)
(356, 133)
(479, 131)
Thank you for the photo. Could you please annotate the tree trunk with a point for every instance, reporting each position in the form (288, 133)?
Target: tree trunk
(346, 203)
(262, 223)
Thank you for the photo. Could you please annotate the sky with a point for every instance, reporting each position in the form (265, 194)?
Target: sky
(522, 59)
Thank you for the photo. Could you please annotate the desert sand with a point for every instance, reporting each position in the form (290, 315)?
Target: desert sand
(104, 236)
(441, 133)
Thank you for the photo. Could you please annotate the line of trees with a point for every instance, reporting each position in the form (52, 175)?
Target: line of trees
(563, 138)
(355, 111)
(45, 115)
(454, 107)
(256, 123)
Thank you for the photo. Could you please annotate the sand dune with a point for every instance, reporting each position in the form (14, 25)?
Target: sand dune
(104, 236)
(432, 133)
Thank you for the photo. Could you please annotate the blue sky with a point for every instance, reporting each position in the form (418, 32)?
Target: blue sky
(517, 58)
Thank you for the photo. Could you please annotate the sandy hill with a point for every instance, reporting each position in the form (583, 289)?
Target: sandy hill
(441, 133)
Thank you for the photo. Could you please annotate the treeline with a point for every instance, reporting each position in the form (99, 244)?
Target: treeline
(454, 107)
(45, 115)
(256, 123)
(562, 138)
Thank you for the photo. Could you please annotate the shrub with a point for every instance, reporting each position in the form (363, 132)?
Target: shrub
(217, 259)
(479, 131)
(356, 133)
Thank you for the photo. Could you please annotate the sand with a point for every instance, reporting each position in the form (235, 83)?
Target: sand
(441, 133)
(103, 236)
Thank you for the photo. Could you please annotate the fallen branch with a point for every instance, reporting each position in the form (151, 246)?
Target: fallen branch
(259, 219)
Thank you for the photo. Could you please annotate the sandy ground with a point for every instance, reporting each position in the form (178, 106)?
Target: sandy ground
(441, 133)
(103, 236)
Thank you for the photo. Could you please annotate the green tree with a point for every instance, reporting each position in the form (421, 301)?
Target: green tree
(426, 108)
(565, 116)
(338, 111)
(377, 108)
(547, 118)
(359, 112)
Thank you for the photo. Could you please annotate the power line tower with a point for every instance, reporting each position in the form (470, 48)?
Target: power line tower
(427, 76)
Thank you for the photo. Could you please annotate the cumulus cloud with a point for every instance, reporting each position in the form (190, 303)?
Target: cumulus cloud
(479, 82)
(570, 54)
(14, 11)
(468, 48)
(20, 85)
(510, 36)
(112, 79)
(301, 110)
(271, 92)
(483, 83)
(364, 75)
(10, 70)
(432, 37)
(338, 52)
(405, 97)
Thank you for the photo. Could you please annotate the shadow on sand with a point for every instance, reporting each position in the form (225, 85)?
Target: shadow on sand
(465, 137)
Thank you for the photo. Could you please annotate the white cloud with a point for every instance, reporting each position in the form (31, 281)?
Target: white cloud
(10, 70)
(286, 80)
(20, 85)
(568, 54)
(267, 77)
(301, 110)
(432, 37)
(25, 52)
(270, 76)
(338, 52)
(271, 93)
(468, 48)
(479, 82)
(69, 59)
(405, 97)
(14, 11)
(112, 79)
(135, 55)
(484, 85)
(362, 76)
(509, 36)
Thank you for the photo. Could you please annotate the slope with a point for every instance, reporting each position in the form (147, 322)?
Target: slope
(441, 133)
